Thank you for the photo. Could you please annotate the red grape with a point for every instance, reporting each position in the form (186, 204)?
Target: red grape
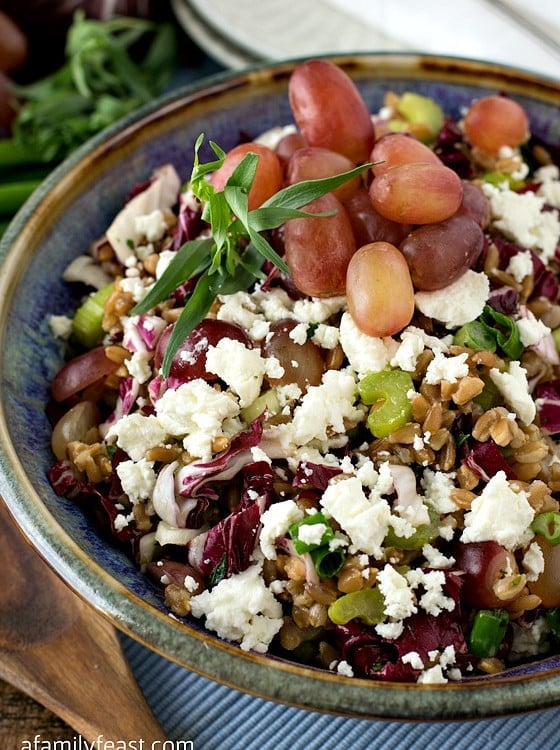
(313, 163)
(318, 250)
(303, 363)
(417, 193)
(189, 361)
(495, 121)
(368, 224)
(438, 254)
(399, 148)
(268, 177)
(379, 289)
(483, 563)
(330, 111)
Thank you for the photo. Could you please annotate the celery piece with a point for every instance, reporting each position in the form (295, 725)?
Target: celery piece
(87, 322)
(267, 400)
(422, 110)
(367, 605)
(389, 392)
(424, 534)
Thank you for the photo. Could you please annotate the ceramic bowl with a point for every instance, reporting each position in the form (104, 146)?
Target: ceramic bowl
(71, 209)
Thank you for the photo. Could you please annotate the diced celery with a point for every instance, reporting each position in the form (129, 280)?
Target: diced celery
(421, 110)
(388, 391)
(87, 322)
(267, 400)
(367, 605)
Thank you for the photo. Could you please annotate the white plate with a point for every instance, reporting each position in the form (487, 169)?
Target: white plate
(238, 32)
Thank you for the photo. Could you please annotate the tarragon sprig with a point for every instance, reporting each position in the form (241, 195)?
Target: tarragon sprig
(231, 258)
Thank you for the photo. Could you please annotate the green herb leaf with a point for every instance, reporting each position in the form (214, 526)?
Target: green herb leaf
(231, 259)
(200, 301)
(189, 261)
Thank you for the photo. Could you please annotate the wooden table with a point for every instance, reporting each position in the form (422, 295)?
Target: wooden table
(21, 718)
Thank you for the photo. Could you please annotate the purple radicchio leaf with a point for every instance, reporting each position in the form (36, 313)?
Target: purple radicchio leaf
(228, 546)
(547, 400)
(379, 658)
(314, 476)
(504, 300)
(189, 221)
(129, 389)
(486, 460)
(226, 465)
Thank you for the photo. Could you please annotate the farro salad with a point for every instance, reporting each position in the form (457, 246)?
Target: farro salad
(314, 390)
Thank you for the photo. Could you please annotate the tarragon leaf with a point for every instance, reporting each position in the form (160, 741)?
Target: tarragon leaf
(200, 301)
(191, 259)
(302, 193)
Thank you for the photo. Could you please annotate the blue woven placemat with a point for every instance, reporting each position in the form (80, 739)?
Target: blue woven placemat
(215, 717)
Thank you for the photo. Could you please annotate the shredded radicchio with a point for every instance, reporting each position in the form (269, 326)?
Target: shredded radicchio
(486, 460)
(375, 657)
(547, 399)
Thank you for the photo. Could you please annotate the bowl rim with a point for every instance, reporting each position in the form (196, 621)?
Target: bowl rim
(204, 653)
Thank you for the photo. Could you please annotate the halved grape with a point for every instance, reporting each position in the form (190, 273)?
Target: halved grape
(329, 109)
(312, 163)
(318, 250)
(417, 193)
(438, 254)
(379, 289)
(303, 363)
(368, 224)
(268, 177)
(393, 149)
(494, 121)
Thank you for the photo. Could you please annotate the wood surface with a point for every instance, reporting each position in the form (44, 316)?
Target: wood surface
(56, 649)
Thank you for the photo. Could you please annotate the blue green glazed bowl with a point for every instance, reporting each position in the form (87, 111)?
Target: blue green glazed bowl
(71, 209)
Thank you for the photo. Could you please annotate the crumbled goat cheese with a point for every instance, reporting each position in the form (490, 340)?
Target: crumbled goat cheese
(398, 596)
(139, 366)
(413, 658)
(520, 265)
(273, 136)
(531, 330)
(435, 558)
(138, 479)
(447, 368)
(241, 368)
(136, 434)
(327, 409)
(275, 522)
(242, 609)
(459, 302)
(433, 600)
(342, 667)
(549, 188)
(499, 514)
(411, 347)
(152, 226)
(521, 218)
(390, 630)
(61, 326)
(365, 519)
(195, 411)
(533, 561)
(365, 353)
(432, 676)
(135, 287)
(438, 487)
(313, 533)
(514, 387)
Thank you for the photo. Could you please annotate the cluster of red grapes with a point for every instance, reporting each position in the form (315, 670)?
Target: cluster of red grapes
(413, 224)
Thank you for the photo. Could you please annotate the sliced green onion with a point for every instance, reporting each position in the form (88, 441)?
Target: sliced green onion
(328, 561)
(389, 391)
(297, 532)
(87, 322)
(548, 525)
(488, 631)
(367, 605)
(424, 534)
